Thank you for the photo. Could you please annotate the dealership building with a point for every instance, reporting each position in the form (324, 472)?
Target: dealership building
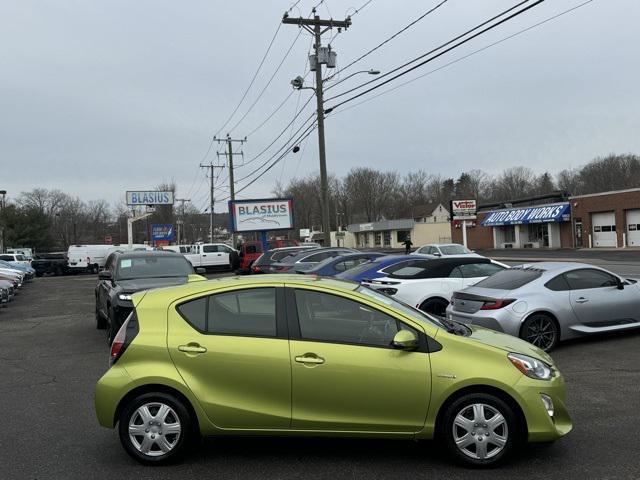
(557, 220)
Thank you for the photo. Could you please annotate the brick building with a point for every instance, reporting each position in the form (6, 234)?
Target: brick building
(558, 220)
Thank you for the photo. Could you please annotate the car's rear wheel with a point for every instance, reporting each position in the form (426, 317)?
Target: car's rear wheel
(155, 428)
(480, 429)
(541, 330)
(435, 306)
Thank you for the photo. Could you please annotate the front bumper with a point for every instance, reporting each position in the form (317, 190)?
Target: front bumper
(541, 426)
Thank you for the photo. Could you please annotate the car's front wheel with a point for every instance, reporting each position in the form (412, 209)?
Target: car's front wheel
(479, 429)
(155, 428)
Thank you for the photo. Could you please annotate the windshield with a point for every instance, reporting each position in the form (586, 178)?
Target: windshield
(403, 307)
(156, 266)
(454, 250)
(363, 267)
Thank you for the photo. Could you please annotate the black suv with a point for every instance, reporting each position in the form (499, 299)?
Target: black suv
(128, 272)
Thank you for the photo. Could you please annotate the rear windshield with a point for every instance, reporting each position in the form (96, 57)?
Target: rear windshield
(454, 250)
(363, 267)
(156, 266)
(510, 279)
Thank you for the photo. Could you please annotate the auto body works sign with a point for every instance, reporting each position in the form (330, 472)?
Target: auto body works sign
(261, 215)
(516, 216)
(149, 198)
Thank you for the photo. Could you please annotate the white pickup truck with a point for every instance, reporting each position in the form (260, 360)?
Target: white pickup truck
(212, 255)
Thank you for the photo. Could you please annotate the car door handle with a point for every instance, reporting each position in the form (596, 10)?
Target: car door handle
(192, 348)
(582, 300)
(308, 358)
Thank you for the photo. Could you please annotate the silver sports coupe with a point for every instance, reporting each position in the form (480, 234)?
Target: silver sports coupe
(546, 302)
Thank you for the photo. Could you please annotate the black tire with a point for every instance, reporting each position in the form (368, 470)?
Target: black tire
(541, 330)
(435, 306)
(482, 435)
(179, 443)
(101, 323)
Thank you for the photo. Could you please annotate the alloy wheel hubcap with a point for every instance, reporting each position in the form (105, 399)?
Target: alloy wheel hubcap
(541, 333)
(480, 431)
(154, 429)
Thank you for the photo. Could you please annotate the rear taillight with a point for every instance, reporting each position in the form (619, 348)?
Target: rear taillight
(124, 337)
(497, 303)
(256, 269)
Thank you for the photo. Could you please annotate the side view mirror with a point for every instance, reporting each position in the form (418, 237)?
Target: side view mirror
(201, 270)
(437, 254)
(405, 340)
(105, 275)
(619, 284)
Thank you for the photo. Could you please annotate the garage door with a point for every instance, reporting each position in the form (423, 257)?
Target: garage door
(604, 229)
(633, 228)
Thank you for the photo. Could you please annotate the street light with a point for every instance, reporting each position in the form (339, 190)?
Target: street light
(3, 193)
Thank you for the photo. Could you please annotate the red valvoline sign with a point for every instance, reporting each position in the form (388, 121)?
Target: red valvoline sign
(464, 209)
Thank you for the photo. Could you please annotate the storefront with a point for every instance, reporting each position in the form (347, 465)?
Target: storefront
(557, 220)
(530, 227)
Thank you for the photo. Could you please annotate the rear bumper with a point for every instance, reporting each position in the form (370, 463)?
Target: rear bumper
(499, 320)
(109, 391)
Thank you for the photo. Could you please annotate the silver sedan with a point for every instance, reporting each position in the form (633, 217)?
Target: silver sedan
(546, 302)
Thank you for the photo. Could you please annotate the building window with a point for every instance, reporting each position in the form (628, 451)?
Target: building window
(377, 239)
(387, 238)
(509, 232)
(402, 235)
(539, 232)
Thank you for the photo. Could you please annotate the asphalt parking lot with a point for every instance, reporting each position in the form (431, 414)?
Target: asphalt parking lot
(51, 355)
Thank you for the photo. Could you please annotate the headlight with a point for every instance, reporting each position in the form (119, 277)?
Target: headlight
(531, 367)
(125, 296)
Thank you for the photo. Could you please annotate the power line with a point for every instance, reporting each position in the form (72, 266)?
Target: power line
(378, 78)
(464, 57)
(253, 79)
(430, 59)
(267, 85)
(402, 30)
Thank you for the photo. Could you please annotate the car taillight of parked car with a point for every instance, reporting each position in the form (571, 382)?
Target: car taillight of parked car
(256, 269)
(497, 303)
(124, 337)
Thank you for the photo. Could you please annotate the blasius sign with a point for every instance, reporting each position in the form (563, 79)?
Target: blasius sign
(261, 215)
(520, 216)
(149, 198)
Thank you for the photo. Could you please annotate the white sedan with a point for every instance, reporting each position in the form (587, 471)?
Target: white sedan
(428, 284)
(444, 250)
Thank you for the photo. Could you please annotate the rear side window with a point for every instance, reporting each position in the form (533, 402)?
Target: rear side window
(318, 257)
(558, 284)
(244, 312)
(195, 313)
(210, 248)
(249, 312)
(510, 279)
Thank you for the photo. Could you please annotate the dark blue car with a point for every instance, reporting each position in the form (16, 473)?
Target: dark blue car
(375, 268)
(333, 266)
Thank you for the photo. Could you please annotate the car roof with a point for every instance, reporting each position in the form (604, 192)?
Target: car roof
(312, 251)
(252, 281)
(148, 253)
(554, 266)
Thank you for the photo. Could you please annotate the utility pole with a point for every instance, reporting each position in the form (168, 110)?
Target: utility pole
(229, 154)
(180, 221)
(2, 207)
(211, 166)
(326, 56)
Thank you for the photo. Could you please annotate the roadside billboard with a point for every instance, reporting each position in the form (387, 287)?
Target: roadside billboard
(464, 209)
(261, 215)
(162, 232)
(149, 198)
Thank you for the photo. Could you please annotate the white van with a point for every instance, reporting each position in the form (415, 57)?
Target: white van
(89, 257)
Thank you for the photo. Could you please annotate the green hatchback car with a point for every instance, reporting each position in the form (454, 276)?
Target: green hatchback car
(297, 355)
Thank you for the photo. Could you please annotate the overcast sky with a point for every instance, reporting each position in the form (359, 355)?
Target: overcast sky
(99, 97)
